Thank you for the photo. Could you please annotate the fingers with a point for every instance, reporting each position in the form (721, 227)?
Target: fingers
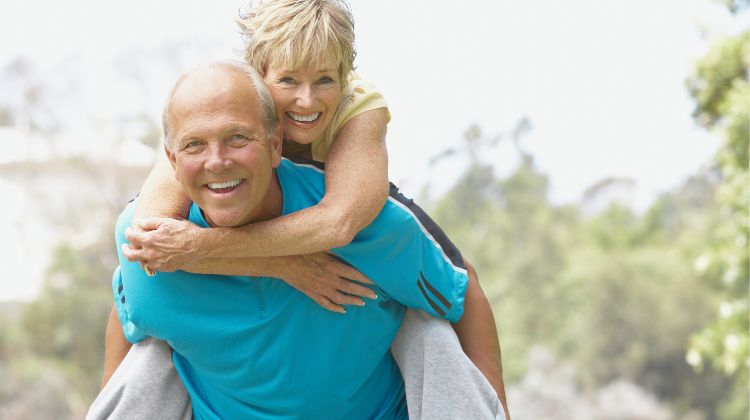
(135, 236)
(344, 299)
(346, 271)
(149, 223)
(133, 254)
(352, 288)
(329, 305)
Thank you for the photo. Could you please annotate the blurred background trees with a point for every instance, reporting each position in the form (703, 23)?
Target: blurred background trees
(722, 93)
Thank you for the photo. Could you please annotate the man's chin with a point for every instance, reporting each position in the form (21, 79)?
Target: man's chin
(222, 219)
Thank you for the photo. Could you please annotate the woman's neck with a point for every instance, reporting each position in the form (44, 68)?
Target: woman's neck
(291, 149)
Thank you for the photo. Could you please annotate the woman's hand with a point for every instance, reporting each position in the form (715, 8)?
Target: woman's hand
(326, 280)
(162, 244)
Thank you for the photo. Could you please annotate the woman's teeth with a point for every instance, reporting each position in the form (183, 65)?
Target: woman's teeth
(224, 185)
(303, 118)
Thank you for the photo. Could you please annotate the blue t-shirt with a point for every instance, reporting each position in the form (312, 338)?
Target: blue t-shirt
(254, 347)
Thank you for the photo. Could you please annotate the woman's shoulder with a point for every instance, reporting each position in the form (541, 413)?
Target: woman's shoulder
(358, 93)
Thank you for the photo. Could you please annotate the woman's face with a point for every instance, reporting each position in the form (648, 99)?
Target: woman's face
(306, 99)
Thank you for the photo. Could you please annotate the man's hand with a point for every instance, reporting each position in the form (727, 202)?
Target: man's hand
(162, 244)
(326, 280)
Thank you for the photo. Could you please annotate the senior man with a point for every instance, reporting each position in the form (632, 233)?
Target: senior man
(254, 347)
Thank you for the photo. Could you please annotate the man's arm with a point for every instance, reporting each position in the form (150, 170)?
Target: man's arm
(115, 346)
(477, 334)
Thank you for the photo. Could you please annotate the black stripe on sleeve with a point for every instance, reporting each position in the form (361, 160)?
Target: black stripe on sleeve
(427, 297)
(450, 250)
(302, 161)
(435, 292)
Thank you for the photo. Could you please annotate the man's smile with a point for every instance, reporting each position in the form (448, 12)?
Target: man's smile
(224, 187)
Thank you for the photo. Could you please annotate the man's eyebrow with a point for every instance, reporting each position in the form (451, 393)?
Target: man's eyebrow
(242, 129)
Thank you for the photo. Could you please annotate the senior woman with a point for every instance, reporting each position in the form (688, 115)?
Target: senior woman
(304, 49)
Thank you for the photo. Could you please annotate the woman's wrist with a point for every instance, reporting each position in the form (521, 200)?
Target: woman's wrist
(209, 242)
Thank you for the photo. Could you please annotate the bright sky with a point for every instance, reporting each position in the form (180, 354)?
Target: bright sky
(601, 81)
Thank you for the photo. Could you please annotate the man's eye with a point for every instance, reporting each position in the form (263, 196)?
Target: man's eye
(192, 146)
(239, 140)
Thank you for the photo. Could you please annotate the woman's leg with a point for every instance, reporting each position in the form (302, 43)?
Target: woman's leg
(144, 386)
(440, 380)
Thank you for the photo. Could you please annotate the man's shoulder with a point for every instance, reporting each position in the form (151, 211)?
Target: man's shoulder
(124, 219)
(304, 167)
(302, 183)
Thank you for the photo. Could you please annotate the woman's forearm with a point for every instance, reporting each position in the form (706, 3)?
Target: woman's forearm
(258, 267)
(161, 195)
(356, 189)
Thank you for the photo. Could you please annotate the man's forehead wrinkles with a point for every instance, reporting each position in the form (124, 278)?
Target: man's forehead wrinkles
(216, 125)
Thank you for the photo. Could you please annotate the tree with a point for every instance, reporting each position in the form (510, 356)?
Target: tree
(721, 91)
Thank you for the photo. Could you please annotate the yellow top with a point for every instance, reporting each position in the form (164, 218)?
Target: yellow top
(358, 97)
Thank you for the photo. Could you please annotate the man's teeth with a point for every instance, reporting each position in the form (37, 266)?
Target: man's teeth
(222, 185)
(304, 118)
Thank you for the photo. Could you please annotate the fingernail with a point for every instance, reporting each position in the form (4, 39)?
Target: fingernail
(361, 303)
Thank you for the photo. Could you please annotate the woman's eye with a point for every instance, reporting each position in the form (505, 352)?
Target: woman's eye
(325, 80)
(287, 81)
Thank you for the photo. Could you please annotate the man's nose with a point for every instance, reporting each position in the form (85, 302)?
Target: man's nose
(217, 160)
(305, 96)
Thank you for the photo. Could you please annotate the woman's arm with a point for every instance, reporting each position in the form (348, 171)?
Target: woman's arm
(356, 189)
(161, 195)
(320, 276)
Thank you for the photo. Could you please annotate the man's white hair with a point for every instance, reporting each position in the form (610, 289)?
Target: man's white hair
(266, 105)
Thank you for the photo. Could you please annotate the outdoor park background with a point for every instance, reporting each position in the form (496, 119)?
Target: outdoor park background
(589, 157)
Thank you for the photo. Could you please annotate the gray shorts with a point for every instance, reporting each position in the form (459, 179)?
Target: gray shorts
(440, 381)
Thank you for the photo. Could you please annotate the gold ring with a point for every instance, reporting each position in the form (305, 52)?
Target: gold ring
(148, 271)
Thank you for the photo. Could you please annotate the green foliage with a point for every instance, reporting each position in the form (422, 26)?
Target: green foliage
(65, 325)
(722, 93)
(613, 291)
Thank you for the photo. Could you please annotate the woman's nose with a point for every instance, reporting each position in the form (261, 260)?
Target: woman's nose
(305, 96)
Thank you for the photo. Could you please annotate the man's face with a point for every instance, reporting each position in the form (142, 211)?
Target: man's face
(221, 152)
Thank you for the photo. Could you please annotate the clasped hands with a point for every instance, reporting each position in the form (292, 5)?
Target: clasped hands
(166, 245)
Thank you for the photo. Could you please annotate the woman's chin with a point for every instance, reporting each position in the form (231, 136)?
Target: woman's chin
(301, 136)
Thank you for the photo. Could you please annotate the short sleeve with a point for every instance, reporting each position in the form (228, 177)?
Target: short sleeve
(358, 97)
(439, 281)
(410, 259)
(131, 332)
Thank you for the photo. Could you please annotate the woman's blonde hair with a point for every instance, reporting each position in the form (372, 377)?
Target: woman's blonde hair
(294, 34)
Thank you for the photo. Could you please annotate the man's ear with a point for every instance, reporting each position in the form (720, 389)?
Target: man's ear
(275, 145)
(172, 160)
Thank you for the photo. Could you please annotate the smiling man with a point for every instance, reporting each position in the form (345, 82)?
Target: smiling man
(254, 347)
